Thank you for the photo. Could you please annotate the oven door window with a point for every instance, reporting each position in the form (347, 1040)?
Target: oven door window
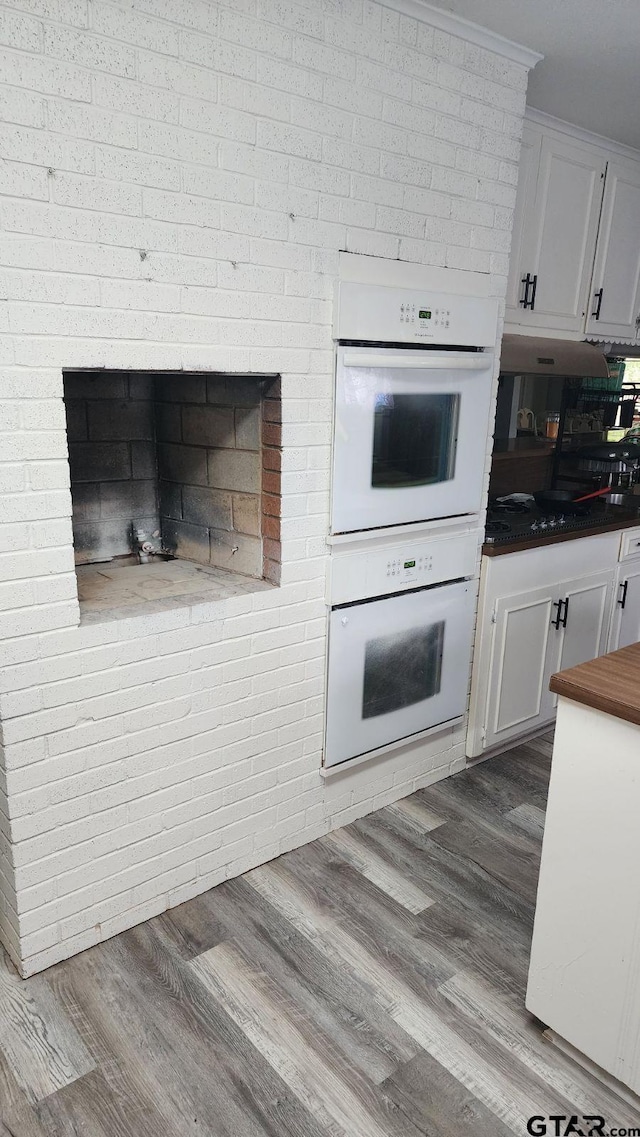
(402, 669)
(414, 439)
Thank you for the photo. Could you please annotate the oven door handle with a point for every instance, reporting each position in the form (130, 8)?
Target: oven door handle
(449, 362)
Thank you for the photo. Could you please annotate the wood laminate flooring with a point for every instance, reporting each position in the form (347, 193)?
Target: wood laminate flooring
(370, 984)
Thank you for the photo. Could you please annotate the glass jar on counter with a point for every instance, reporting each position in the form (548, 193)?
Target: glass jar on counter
(552, 425)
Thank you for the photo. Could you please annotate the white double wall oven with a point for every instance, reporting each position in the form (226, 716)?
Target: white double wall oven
(414, 374)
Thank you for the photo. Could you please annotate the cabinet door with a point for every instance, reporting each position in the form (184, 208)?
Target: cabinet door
(625, 624)
(615, 299)
(527, 179)
(526, 649)
(557, 242)
(585, 618)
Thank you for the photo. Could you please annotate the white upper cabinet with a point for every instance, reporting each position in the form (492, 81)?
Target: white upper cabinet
(525, 201)
(614, 308)
(575, 253)
(555, 228)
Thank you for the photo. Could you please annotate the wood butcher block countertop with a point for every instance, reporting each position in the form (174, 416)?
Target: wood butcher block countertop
(610, 683)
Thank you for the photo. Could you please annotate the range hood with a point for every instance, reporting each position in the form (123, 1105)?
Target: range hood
(620, 350)
(535, 355)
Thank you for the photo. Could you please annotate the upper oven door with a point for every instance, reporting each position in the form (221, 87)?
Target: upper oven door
(411, 431)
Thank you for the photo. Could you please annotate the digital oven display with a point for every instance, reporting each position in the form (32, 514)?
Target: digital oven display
(425, 313)
(409, 564)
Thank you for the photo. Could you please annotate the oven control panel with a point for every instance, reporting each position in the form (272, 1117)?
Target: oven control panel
(395, 566)
(377, 314)
(426, 319)
(415, 570)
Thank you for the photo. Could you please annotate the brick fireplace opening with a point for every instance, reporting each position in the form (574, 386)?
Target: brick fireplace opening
(175, 485)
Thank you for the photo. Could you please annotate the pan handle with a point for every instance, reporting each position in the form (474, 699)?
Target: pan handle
(588, 496)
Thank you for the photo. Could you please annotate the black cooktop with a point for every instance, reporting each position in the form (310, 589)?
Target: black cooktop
(508, 522)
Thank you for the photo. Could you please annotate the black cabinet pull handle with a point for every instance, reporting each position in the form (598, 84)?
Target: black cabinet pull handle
(622, 600)
(597, 296)
(558, 620)
(526, 280)
(530, 282)
(566, 612)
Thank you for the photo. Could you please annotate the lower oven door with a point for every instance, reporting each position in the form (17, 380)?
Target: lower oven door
(397, 666)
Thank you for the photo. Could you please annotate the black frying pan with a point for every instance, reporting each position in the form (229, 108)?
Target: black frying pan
(559, 501)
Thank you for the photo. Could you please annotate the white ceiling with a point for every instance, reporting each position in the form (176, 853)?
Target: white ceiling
(590, 74)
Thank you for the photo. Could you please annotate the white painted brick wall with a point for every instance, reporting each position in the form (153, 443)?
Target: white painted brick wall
(177, 179)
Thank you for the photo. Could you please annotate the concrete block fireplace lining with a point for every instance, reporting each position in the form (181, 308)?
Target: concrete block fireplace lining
(111, 437)
(210, 470)
(192, 462)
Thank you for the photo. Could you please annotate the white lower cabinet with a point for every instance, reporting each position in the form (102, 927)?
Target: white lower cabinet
(585, 618)
(519, 699)
(541, 610)
(536, 634)
(625, 623)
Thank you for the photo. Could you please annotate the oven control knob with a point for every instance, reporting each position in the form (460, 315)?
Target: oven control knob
(344, 620)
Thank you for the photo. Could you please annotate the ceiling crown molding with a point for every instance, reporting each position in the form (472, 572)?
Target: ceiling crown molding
(561, 125)
(466, 30)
